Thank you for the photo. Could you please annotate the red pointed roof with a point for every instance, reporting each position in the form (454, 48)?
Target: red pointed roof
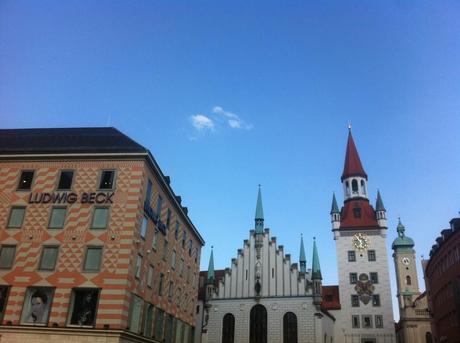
(358, 214)
(352, 166)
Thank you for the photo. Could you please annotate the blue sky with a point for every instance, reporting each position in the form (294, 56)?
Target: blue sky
(228, 95)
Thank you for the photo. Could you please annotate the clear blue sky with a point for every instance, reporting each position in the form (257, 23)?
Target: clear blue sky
(228, 95)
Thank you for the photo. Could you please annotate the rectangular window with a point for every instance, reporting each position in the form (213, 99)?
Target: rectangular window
(159, 206)
(170, 291)
(176, 231)
(155, 240)
(49, 258)
(159, 315)
(7, 253)
(160, 284)
(184, 238)
(145, 221)
(16, 218)
(367, 322)
(165, 249)
(190, 247)
(181, 267)
(137, 305)
(188, 274)
(4, 293)
(107, 179)
(138, 266)
(354, 300)
(168, 218)
(65, 180)
(353, 278)
(57, 218)
(375, 300)
(93, 259)
(351, 256)
(150, 276)
(379, 322)
(355, 322)
(148, 193)
(83, 306)
(100, 218)
(173, 259)
(25, 180)
(178, 296)
(37, 305)
(148, 320)
(371, 255)
(374, 277)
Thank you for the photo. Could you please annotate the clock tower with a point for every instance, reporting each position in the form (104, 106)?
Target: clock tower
(360, 234)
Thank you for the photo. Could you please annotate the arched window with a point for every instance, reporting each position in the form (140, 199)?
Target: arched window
(354, 186)
(428, 337)
(347, 186)
(258, 324)
(363, 186)
(228, 328)
(408, 280)
(290, 328)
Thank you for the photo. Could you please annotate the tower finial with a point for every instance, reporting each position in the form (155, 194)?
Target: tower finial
(211, 276)
(302, 258)
(349, 127)
(316, 269)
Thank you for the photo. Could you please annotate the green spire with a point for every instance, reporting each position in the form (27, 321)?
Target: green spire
(316, 269)
(401, 229)
(334, 208)
(259, 219)
(211, 275)
(379, 203)
(302, 258)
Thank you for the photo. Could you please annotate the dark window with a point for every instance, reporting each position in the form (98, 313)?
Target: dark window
(169, 324)
(379, 321)
(57, 218)
(184, 238)
(83, 306)
(351, 256)
(374, 277)
(408, 280)
(170, 290)
(428, 337)
(7, 253)
(258, 324)
(4, 292)
(228, 328)
(375, 300)
(148, 193)
(159, 316)
(354, 300)
(37, 305)
(176, 232)
(49, 257)
(93, 259)
(65, 180)
(100, 218)
(290, 328)
(168, 218)
(371, 255)
(107, 177)
(159, 206)
(25, 181)
(16, 219)
(353, 278)
(355, 322)
(165, 249)
(357, 212)
(160, 284)
(367, 322)
(148, 321)
(190, 247)
(354, 186)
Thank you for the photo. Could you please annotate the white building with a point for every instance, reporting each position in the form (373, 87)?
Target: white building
(360, 234)
(264, 297)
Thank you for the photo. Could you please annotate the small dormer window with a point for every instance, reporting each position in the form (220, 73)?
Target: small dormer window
(357, 212)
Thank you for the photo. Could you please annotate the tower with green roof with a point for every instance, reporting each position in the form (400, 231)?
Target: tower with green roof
(302, 258)
(316, 276)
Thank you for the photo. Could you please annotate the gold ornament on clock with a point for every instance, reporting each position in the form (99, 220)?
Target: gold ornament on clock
(360, 241)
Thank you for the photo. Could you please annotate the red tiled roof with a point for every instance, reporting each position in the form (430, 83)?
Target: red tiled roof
(352, 166)
(331, 299)
(367, 218)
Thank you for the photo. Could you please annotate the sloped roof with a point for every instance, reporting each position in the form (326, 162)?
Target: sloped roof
(66, 141)
(367, 218)
(352, 165)
(331, 298)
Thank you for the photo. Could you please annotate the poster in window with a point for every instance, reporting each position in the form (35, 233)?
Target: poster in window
(4, 290)
(84, 306)
(37, 305)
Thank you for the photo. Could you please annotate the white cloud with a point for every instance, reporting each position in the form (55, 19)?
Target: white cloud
(233, 120)
(202, 122)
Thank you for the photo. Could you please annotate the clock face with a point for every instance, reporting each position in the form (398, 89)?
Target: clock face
(360, 241)
(405, 261)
